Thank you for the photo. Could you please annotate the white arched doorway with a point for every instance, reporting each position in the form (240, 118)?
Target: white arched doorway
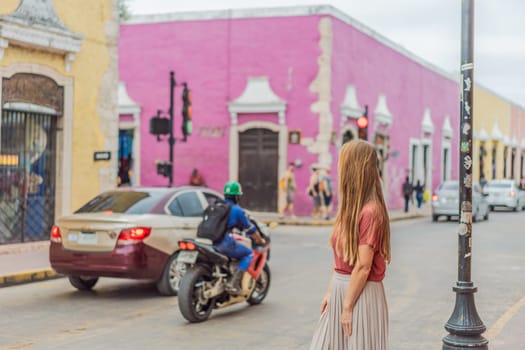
(258, 100)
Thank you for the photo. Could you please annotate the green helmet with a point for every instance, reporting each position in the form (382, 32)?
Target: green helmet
(232, 188)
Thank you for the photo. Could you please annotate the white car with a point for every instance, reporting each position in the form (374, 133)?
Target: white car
(505, 193)
(445, 202)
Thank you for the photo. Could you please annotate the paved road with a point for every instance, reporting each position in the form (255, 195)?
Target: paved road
(130, 315)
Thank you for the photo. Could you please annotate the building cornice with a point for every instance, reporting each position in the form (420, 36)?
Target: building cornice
(427, 125)
(35, 25)
(257, 97)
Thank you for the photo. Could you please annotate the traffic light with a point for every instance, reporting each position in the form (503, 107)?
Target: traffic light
(159, 125)
(362, 125)
(186, 111)
(164, 168)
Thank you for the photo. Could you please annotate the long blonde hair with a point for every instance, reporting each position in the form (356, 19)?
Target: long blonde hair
(359, 183)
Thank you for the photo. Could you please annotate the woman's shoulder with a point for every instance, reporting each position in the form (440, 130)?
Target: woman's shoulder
(370, 207)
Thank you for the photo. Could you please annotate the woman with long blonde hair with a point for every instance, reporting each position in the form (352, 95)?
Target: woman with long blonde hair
(354, 313)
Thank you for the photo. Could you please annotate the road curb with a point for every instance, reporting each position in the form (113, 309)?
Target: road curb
(28, 276)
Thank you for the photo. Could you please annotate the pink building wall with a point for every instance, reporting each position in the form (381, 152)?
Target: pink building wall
(216, 57)
(409, 87)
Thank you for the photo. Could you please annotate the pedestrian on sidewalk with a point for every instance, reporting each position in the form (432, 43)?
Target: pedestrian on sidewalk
(354, 314)
(419, 189)
(314, 191)
(407, 192)
(288, 186)
(327, 192)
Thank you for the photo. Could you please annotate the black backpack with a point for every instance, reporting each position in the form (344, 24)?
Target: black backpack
(214, 221)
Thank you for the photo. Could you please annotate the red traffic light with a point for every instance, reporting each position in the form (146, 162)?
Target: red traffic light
(362, 122)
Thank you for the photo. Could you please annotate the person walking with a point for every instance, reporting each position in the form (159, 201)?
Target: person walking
(407, 192)
(419, 189)
(288, 186)
(328, 193)
(314, 191)
(354, 312)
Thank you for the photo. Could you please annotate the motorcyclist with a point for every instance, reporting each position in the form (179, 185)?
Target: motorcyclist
(228, 245)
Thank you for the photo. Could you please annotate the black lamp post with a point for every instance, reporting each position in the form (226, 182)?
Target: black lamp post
(465, 326)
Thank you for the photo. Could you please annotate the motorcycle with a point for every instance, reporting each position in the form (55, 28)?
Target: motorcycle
(203, 285)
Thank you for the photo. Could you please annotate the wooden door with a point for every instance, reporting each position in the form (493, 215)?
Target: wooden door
(258, 160)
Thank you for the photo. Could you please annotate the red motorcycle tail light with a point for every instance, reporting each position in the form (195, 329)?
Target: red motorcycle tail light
(190, 246)
(182, 245)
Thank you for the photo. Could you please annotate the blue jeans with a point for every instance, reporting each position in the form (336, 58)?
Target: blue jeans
(419, 197)
(229, 246)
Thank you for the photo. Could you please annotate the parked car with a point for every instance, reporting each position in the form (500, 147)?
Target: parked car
(445, 202)
(505, 193)
(128, 233)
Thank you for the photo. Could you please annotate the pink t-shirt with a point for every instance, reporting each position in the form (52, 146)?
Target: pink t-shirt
(370, 234)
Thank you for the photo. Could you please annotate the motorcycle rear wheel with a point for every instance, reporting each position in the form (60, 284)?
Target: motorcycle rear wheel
(191, 304)
(262, 285)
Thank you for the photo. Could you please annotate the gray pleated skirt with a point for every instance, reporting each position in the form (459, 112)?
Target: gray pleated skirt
(369, 324)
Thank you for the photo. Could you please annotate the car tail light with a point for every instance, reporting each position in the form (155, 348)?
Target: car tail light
(55, 234)
(435, 198)
(512, 193)
(133, 235)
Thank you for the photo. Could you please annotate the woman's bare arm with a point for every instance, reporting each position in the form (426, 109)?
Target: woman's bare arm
(358, 280)
(326, 298)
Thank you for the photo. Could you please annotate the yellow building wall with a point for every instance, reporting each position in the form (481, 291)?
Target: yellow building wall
(95, 79)
(488, 109)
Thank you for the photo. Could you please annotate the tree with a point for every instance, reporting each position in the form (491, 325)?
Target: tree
(123, 10)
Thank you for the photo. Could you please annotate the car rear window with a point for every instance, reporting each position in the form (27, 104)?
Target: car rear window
(498, 185)
(124, 202)
(450, 186)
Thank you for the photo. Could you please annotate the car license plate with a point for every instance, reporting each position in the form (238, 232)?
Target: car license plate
(187, 256)
(87, 238)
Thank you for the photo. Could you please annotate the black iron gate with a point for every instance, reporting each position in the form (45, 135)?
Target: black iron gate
(27, 175)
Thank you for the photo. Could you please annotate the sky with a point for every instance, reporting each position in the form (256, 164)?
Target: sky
(430, 29)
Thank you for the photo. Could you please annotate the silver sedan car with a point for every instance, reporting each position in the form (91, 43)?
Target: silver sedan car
(505, 193)
(445, 202)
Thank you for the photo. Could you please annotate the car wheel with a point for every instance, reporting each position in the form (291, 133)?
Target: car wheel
(83, 282)
(486, 217)
(491, 208)
(169, 281)
(435, 218)
(448, 218)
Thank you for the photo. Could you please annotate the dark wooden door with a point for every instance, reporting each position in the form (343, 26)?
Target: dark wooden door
(258, 159)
